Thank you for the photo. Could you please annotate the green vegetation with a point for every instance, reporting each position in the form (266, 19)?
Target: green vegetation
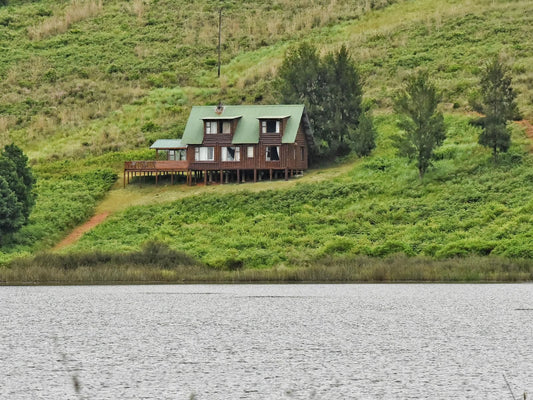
(331, 90)
(498, 105)
(87, 85)
(466, 206)
(16, 185)
(421, 122)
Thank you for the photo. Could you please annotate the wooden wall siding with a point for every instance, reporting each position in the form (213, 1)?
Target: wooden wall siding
(257, 167)
(290, 153)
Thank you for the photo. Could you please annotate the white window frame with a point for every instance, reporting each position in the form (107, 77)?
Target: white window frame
(264, 124)
(268, 156)
(226, 127)
(204, 153)
(211, 127)
(250, 152)
(236, 155)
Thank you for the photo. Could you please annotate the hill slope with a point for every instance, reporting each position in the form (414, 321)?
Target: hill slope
(87, 85)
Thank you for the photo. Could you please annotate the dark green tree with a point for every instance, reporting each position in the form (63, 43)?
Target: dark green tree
(422, 123)
(498, 105)
(11, 218)
(362, 140)
(342, 99)
(22, 179)
(331, 90)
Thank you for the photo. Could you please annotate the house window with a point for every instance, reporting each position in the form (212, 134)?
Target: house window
(302, 153)
(211, 127)
(204, 154)
(231, 154)
(214, 127)
(250, 152)
(226, 127)
(270, 126)
(177, 155)
(272, 153)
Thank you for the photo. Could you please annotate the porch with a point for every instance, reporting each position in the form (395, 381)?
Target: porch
(155, 168)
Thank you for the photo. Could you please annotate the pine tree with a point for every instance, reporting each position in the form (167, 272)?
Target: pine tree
(362, 140)
(498, 105)
(11, 218)
(331, 90)
(23, 180)
(422, 123)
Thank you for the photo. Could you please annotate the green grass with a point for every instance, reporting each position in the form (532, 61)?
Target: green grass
(467, 205)
(105, 82)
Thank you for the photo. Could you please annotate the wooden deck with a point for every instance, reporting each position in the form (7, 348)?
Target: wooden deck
(208, 172)
(155, 168)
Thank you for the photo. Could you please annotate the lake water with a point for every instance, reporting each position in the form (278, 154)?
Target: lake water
(266, 342)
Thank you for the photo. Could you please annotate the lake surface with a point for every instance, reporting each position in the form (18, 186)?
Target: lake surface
(266, 342)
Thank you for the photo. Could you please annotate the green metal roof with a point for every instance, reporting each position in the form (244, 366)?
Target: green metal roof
(248, 125)
(168, 144)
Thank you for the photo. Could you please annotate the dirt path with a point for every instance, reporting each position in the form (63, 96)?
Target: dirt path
(529, 129)
(78, 232)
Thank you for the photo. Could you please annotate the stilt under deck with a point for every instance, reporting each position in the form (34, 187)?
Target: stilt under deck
(158, 169)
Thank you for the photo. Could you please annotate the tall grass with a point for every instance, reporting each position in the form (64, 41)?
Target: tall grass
(158, 264)
(77, 11)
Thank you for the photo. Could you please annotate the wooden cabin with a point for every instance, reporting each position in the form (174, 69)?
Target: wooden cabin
(233, 144)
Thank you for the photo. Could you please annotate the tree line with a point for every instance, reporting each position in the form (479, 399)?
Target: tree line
(16, 191)
(332, 90)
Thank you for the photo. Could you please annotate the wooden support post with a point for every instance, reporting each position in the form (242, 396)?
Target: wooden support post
(286, 174)
(205, 177)
(270, 173)
(156, 176)
(221, 176)
(238, 176)
(172, 178)
(255, 175)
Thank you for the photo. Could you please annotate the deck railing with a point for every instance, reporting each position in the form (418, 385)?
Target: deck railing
(155, 165)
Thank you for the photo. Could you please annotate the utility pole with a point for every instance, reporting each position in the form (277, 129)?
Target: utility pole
(219, 35)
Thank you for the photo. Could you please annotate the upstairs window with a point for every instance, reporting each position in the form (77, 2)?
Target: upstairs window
(211, 127)
(250, 152)
(270, 126)
(214, 127)
(231, 154)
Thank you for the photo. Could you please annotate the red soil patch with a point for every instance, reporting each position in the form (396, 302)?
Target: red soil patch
(529, 129)
(77, 233)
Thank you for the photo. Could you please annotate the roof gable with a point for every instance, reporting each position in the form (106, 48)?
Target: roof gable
(247, 131)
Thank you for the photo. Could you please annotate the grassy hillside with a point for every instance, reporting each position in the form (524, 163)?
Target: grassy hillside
(467, 205)
(85, 85)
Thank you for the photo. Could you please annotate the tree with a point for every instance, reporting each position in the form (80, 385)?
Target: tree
(422, 123)
(24, 188)
(362, 140)
(11, 218)
(498, 105)
(16, 189)
(331, 90)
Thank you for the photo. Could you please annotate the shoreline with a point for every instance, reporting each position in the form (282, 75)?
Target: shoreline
(173, 268)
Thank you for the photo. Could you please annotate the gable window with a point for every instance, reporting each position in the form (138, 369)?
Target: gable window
(204, 154)
(214, 127)
(226, 127)
(302, 153)
(231, 153)
(250, 152)
(272, 153)
(270, 126)
(211, 127)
